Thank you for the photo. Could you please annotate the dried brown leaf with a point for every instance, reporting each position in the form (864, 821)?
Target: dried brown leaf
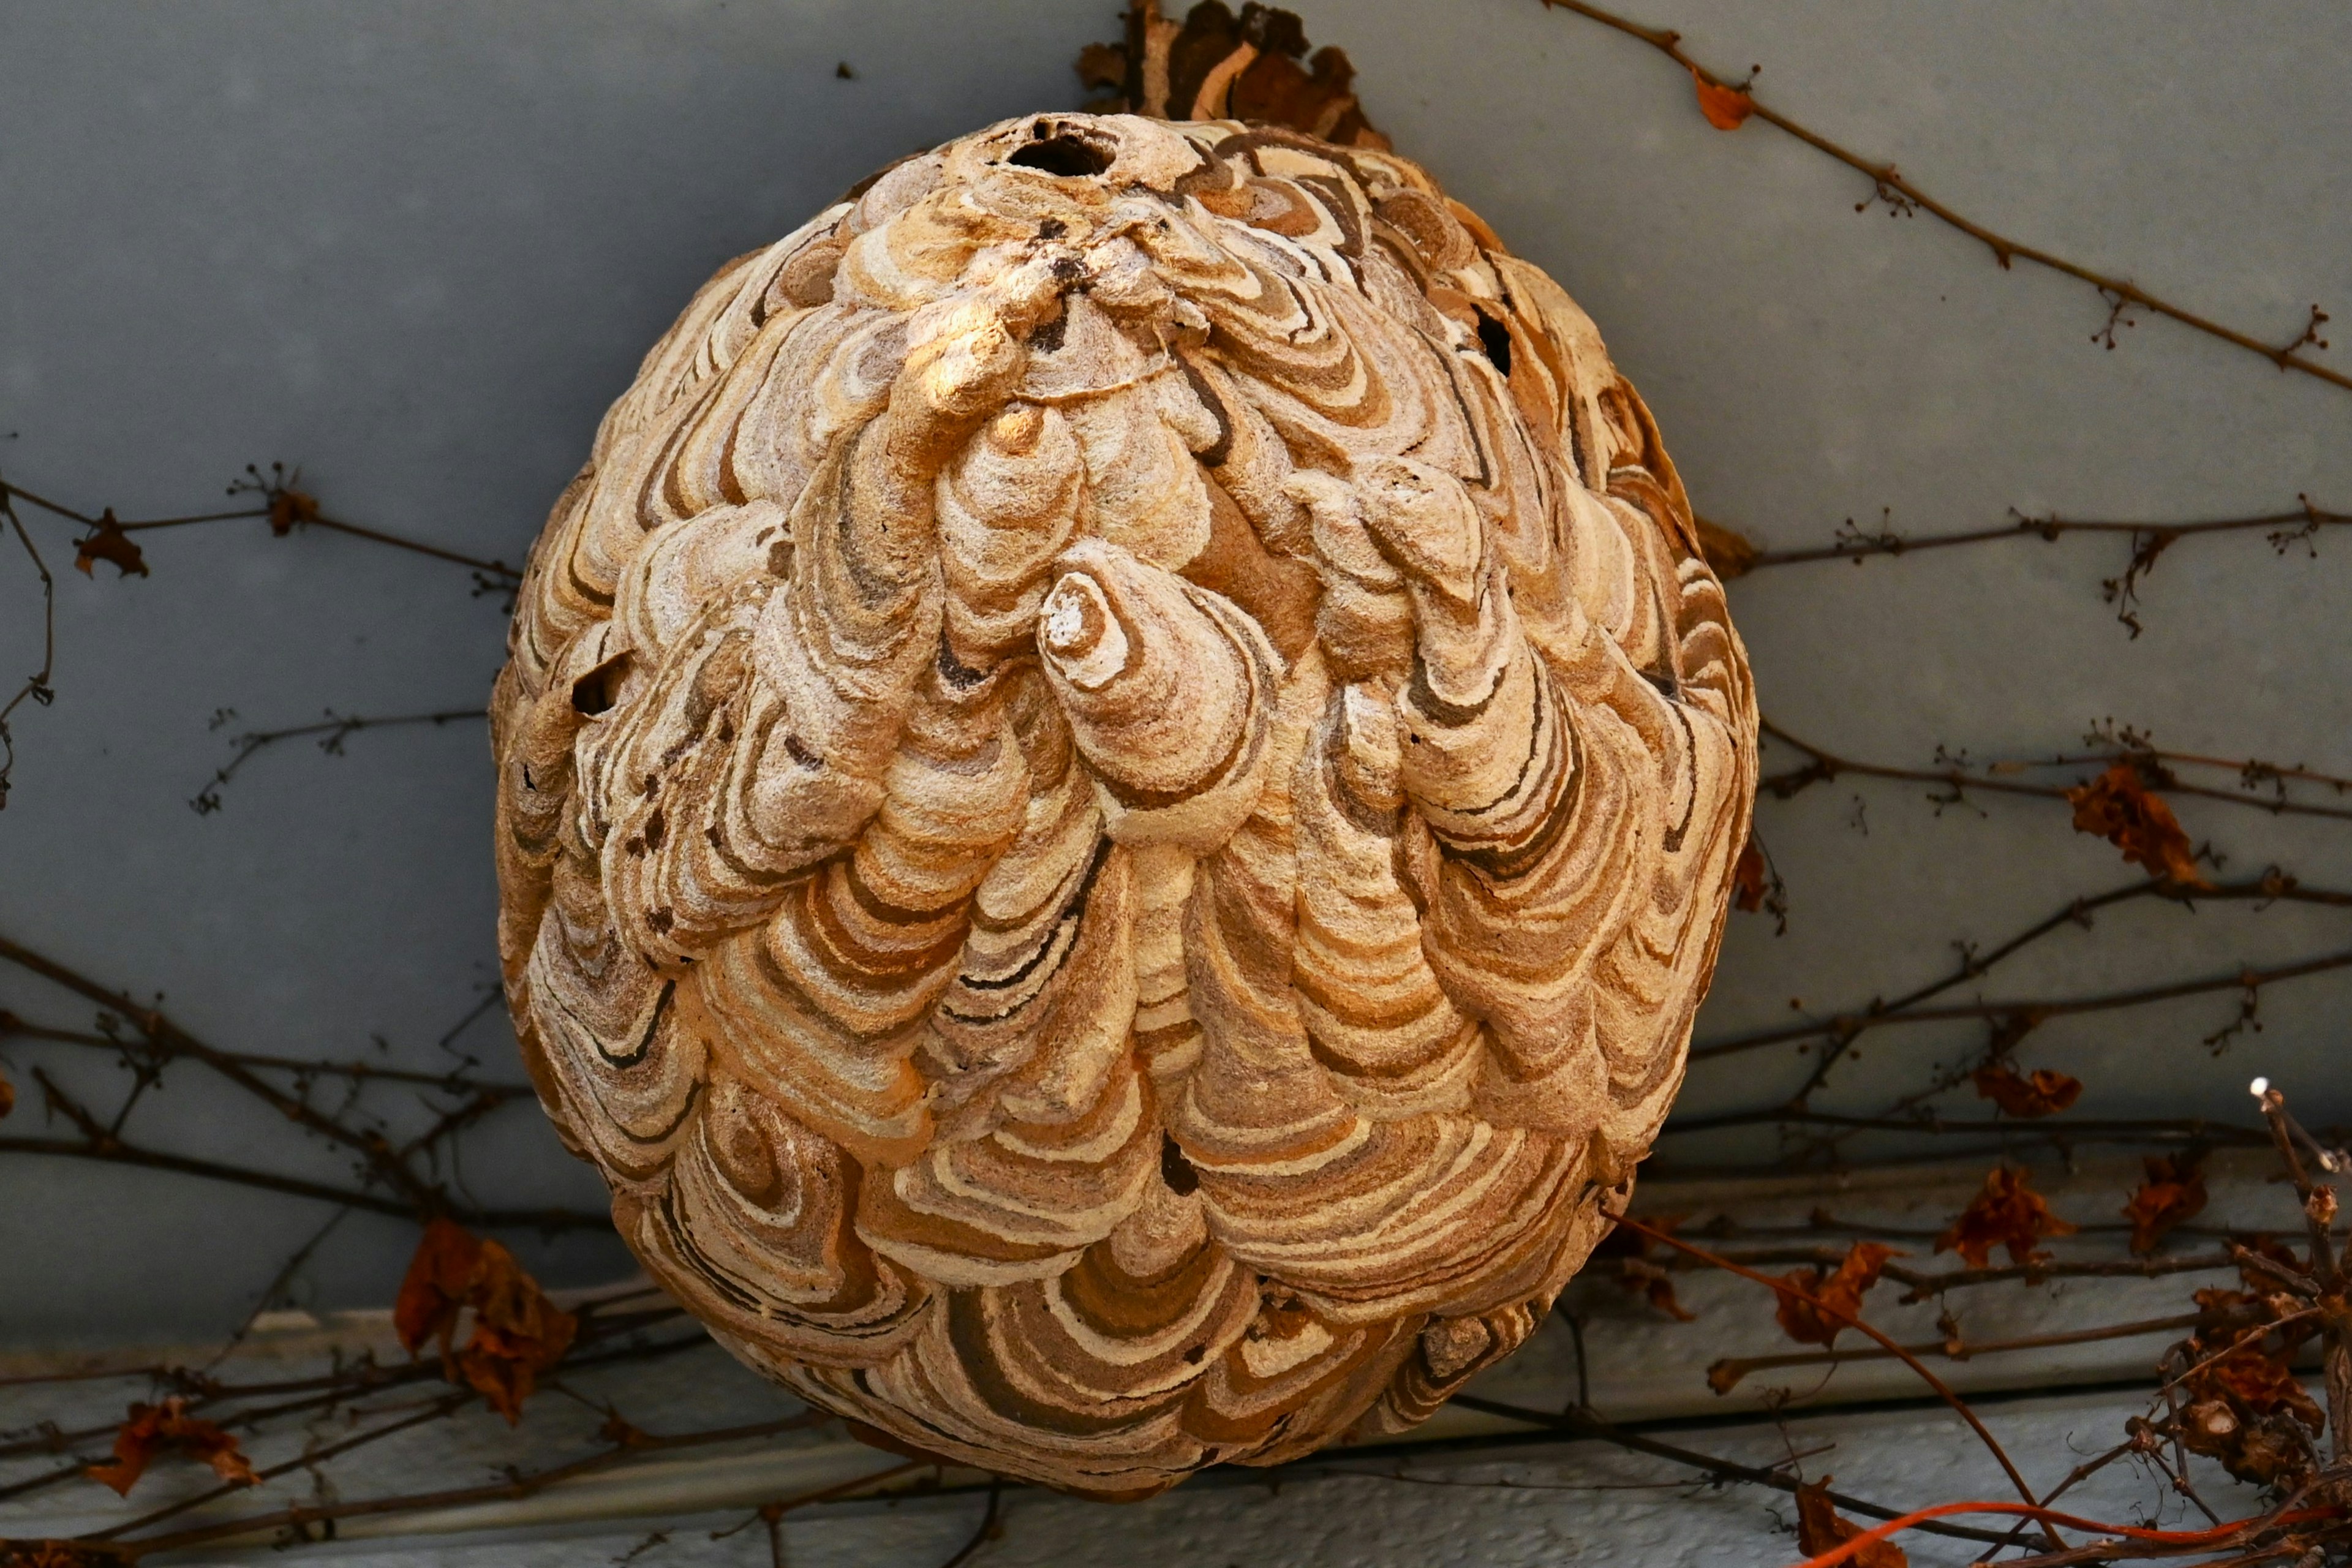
(433, 1293)
(1802, 1318)
(1821, 1528)
(1728, 553)
(288, 507)
(2006, 1213)
(2173, 1192)
(1749, 879)
(517, 1332)
(1725, 108)
(2043, 1093)
(109, 543)
(156, 1430)
(2117, 806)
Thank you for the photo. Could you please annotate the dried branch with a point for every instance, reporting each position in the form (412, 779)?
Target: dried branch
(1825, 765)
(1854, 1320)
(285, 506)
(36, 686)
(1728, 1374)
(452, 1081)
(628, 1443)
(383, 1165)
(2149, 542)
(332, 731)
(1583, 1423)
(2190, 1131)
(1888, 184)
(2040, 1008)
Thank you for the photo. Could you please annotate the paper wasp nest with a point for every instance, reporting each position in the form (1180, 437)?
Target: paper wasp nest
(1117, 786)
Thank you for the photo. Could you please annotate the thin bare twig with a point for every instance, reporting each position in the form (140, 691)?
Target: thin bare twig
(1890, 185)
(1826, 765)
(1854, 1320)
(332, 731)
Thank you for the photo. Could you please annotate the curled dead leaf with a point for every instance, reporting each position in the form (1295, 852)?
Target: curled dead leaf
(2173, 1192)
(156, 1430)
(2117, 806)
(1725, 108)
(2006, 1213)
(288, 507)
(1821, 1529)
(1801, 1310)
(2043, 1094)
(517, 1332)
(1629, 1252)
(2246, 1402)
(1749, 879)
(1728, 553)
(109, 542)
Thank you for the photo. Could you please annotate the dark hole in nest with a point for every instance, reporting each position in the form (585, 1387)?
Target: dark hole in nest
(596, 692)
(1495, 339)
(1068, 156)
(1175, 1169)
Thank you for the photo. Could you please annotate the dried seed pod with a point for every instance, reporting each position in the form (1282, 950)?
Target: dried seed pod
(1117, 786)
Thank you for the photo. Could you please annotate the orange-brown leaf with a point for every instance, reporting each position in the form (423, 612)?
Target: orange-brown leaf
(7, 1095)
(1728, 552)
(1749, 879)
(2117, 806)
(109, 543)
(2173, 1192)
(289, 507)
(1820, 1529)
(2043, 1093)
(154, 1430)
(2006, 1213)
(517, 1332)
(1802, 1316)
(1725, 108)
(2263, 1384)
(431, 1294)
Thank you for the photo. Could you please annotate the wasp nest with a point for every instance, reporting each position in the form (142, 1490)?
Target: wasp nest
(1116, 788)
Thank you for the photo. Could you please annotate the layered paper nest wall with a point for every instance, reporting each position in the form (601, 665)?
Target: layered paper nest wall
(1117, 786)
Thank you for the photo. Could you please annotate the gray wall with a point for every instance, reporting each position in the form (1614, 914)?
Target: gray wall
(418, 248)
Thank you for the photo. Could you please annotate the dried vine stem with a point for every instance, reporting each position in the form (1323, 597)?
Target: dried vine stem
(331, 732)
(2273, 886)
(1584, 1424)
(35, 687)
(1890, 185)
(108, 538)
(2286, 528)
(628, 1443)
(1783, 1288)
(2040, 1009)
(1826, 765)
(1728, 1374)
(285, 508)
(391, 1182)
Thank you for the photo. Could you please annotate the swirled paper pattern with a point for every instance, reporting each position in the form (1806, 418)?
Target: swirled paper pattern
(1118, 784)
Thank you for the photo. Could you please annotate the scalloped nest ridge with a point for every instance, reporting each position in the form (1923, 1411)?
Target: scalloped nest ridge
(1118, 784)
